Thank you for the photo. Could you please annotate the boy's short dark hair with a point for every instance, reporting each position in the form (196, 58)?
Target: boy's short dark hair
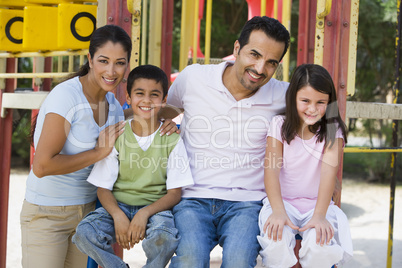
(148, 72)
(270, 26)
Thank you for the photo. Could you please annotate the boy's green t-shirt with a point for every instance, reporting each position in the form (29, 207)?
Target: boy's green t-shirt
(142, 174)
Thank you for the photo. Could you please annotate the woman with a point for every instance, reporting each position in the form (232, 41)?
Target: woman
(73, 116)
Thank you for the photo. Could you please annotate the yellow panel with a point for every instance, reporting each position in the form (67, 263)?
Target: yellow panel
(155, 33)
(54, 2)
(14, 3)
(11, 24)
(40, 28)
(354, 20)
(76, 23)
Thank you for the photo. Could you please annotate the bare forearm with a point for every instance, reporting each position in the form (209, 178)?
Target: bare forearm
(48, 159)
(325, 191)
(329, 169)
(62, 164)
(166, 202)
(273, 154)
(273, 189)
(169, 112)
(109, 202)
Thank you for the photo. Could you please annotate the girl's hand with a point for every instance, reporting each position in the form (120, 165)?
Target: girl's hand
(137, 229)
(168, 127)
(121, 226)
(324, 230)
(107, 138)
(273, 227)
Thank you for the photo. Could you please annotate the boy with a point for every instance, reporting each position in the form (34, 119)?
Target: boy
(139, 182)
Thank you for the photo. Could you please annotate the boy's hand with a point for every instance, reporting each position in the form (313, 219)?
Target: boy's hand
(121, 226)
(273, 227)
(168, 127)
(138, 226)
(324, 230)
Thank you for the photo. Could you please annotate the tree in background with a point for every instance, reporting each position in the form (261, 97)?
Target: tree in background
(374, 81)
(228, 19)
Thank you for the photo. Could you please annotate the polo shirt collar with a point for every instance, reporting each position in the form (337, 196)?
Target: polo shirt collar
(263, 96)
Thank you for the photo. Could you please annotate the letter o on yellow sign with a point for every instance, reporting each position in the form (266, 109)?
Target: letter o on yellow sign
(8, 30)
(74, 22)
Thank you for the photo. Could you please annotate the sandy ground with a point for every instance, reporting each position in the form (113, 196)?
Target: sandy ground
(366, 205)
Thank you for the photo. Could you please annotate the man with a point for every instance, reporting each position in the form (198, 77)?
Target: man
(227, 110)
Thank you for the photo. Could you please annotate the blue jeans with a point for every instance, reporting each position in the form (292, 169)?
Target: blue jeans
(204, 223)
(95, 235)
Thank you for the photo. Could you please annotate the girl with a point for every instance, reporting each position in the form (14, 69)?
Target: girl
(304, 150)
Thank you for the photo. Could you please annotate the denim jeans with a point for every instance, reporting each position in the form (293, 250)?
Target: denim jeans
(204, 223)
(95, 235)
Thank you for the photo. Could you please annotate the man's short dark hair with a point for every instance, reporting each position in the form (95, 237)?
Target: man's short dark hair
(270, 26)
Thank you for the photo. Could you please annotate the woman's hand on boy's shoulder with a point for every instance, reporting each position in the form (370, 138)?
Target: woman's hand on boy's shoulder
(107, 138)
(168, 127)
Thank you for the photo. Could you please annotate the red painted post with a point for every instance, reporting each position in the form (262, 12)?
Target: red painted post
(306, 32)
(254, 9)
(336, 53)
(6, 125)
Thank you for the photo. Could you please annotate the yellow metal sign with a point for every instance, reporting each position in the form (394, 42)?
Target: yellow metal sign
(11, 23)
(54, 2)
(40, 28)
(47, 28)
(76, 23)
(14, 3)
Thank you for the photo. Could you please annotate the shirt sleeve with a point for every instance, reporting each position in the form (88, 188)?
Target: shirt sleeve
(177, 90)
(339, 135)
(275, 128)
(104, 173)
(115, 109)
(178, 169)
(63, 101)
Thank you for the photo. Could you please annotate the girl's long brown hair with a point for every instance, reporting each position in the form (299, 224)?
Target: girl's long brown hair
(318, 78)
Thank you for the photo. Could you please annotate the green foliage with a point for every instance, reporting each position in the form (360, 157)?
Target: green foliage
(375, 50)
(20, 144)
(374, 81)
(24, 66)
(228, 17)
(369, 166)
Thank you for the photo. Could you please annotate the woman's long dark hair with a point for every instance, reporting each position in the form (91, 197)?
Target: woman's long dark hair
(100, 36)
(318, 78)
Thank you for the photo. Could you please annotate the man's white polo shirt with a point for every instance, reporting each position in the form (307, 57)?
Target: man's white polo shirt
(225, 139)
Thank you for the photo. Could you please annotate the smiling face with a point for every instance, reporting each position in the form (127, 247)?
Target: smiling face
(146, 99)
(311, 105)
(257, 61)
(108, 65)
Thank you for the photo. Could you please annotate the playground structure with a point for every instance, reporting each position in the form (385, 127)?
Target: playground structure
(327, 35)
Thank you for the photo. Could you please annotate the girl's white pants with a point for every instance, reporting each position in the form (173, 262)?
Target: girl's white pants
(281, 253)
